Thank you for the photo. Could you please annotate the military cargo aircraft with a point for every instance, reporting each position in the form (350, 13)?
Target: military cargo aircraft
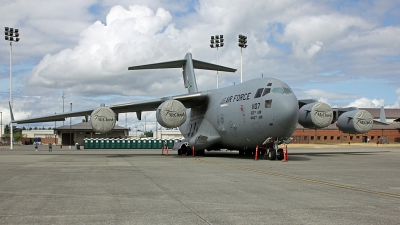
(262, 111)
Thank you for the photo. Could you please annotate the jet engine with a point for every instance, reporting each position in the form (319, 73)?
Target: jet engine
(315, 115)
(103, 120)
(355, 122)
(171, 114)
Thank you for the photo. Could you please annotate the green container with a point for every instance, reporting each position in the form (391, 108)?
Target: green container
(123, 144)
(139, 143)
(96, 143)
(151, 143)
(133, 143)
(102, 143)
(113, 142)
(170, 143)
(91, 143)
(145, 144)
(117, 143)
(85, 143)
(107, 144)
(128, 143)
(159, 144)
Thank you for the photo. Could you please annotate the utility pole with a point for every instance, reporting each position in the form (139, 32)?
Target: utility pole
(10, 34)
(218, 40)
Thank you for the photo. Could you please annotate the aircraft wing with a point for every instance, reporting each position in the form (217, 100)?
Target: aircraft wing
(188, 100)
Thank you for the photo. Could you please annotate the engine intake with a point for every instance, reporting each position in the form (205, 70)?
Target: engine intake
(171, 114)
(315, 115)
(355, 122)
(103, 120)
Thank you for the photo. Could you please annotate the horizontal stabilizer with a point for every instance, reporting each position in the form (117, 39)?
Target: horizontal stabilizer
(180, 63)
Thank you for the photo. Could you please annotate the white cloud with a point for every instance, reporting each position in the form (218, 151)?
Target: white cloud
(367, 103)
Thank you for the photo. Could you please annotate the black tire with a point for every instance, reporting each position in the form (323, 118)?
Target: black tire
(179, 151)
(272, 154)
(279, 154)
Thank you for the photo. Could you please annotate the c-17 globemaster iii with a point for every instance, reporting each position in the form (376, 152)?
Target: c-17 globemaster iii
(262, 111)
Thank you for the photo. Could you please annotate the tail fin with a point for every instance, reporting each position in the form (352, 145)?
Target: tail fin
(188, 65)
(382, 116)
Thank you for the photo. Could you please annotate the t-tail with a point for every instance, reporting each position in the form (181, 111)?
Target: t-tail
(188, 65)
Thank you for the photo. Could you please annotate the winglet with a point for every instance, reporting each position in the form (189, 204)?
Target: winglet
(11, 112)
(382, 116)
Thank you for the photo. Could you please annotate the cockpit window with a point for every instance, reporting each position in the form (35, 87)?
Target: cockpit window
(266, 91)
(277, 90)
(258, 93)
(269, 84)
(287, 90)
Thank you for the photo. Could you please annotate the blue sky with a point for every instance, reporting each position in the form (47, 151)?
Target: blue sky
(346, 53)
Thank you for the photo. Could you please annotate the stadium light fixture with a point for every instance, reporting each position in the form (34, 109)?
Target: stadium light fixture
(242, 44)
(217, 41)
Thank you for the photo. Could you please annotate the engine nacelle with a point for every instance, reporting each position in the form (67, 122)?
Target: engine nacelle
(355, 122)
(171, 114)
(315, 115)
(103, 120)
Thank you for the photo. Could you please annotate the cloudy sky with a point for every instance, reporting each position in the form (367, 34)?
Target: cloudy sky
(346, 53)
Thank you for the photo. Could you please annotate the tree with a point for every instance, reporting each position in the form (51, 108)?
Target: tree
(148, 133)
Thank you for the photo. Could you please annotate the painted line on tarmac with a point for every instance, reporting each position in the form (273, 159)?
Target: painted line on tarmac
(301, 179)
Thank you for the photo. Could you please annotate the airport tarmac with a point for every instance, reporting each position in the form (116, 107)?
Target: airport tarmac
(346, 185)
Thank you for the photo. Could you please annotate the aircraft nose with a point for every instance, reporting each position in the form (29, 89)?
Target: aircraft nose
(286, 111)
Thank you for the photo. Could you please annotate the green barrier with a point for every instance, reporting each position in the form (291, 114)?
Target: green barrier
(128, 143)
(91, 143)
(145, 144)
(139, 143)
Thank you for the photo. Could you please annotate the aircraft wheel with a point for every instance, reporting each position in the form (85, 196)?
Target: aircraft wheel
(179, 151)
(272, 154)
(279, 154)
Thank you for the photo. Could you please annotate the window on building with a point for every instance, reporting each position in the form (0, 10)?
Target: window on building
(319, 138)
(372, 137)
(325, 138)
(338, 138)
(345, 138)
(351, 138)
(332, 138)
(312, 138)
(298, 138)
(305, 138)
(357, 138)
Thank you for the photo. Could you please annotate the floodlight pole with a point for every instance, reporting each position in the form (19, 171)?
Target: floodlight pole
(242, 44)
(63, 106)
(10, 34)
(218, 40)
(70, 132)
(1, 128)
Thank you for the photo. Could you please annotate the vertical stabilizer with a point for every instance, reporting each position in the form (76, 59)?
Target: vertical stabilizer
(188, 74)
(382, 116)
